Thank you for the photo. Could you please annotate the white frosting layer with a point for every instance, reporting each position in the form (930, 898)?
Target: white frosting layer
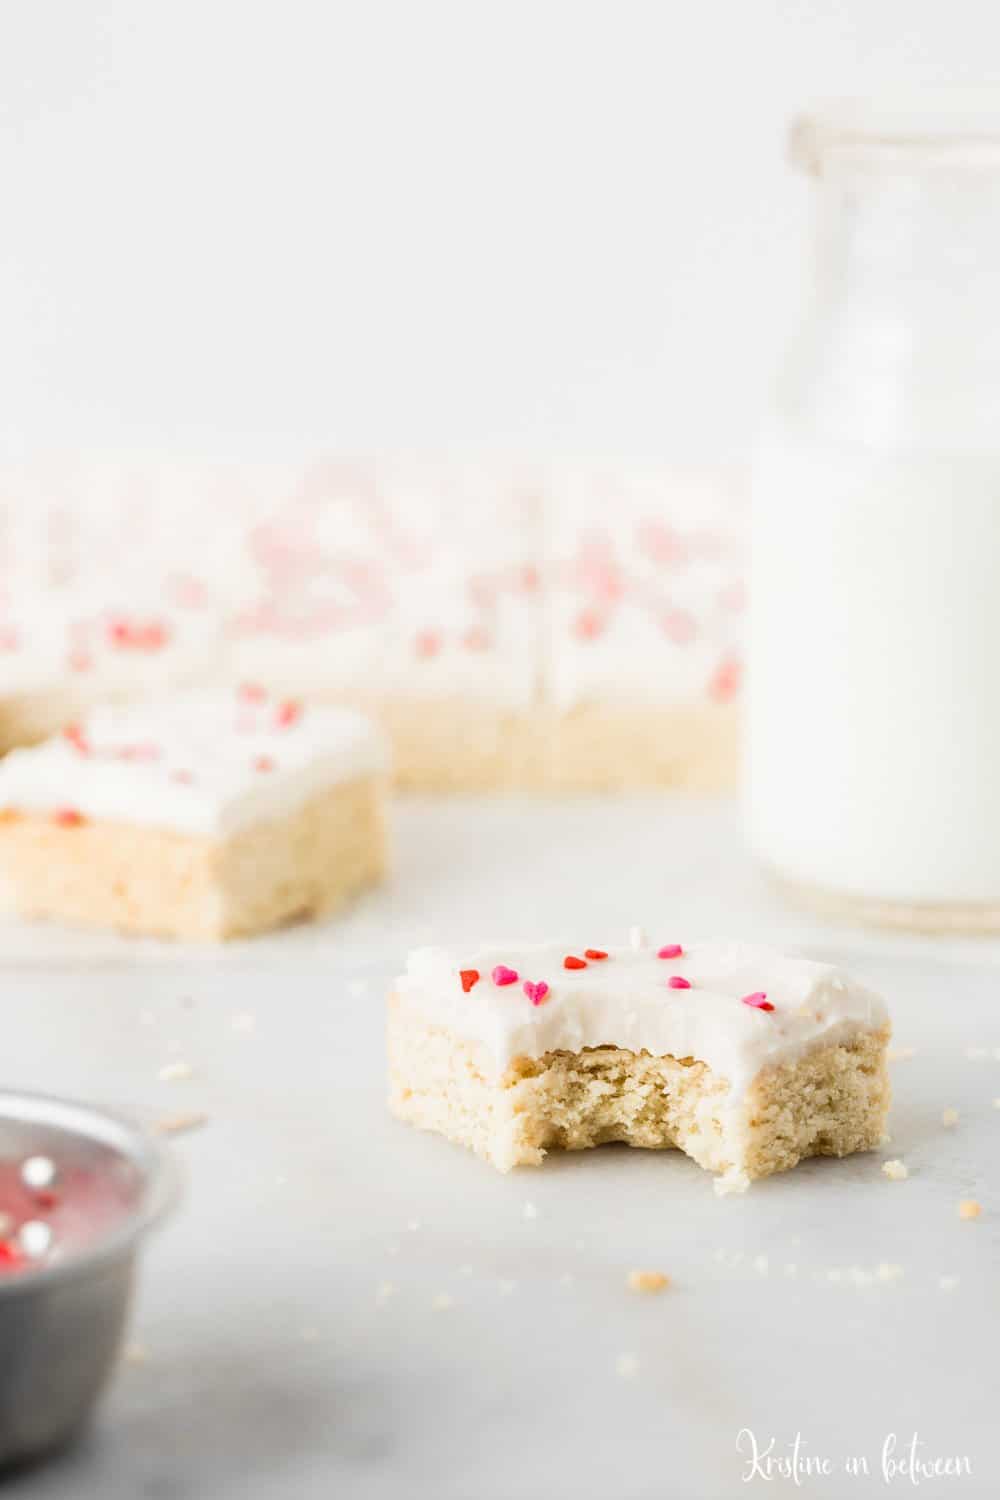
(625, 1001)
(198, 765)
(644, 603)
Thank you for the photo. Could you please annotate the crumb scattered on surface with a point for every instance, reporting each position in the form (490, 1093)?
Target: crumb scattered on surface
(465, 1270)
(383, 1292)
(413, 1225)
(969, 1208)
(567, 1278)
(309, 1334)
(901, 1054)
(895, 1170)
(948, 1283)
(647, 1281)
(887, 1270)
(135, 1354)
(179, 1124)
(441, 1301)
(175, 1072)
(791, 1269)
(949, 1117)
(530, 1211)
(627, 1366)
(357, 988)
(760, 1264)
(833, 1274)
(976, 1053)
(996, 1104)
(506, 1287)
(243, 1020)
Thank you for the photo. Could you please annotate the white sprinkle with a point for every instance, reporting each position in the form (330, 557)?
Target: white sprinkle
(948, 1283)
(38, 1173)
(760, 1264)
(243, 1020)
(392, 1249)
(637, 939)
(949, 1117)
(896, 1171)
(413, 1225)
(179, 1124)
(384, 1291)
(627, 1366)
(34, 1238)
(838, 985)
(530, 1211)
(175, 1072)
(976, 1053)
(441, 1301)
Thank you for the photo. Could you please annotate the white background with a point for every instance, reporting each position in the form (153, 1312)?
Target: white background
(536, 225)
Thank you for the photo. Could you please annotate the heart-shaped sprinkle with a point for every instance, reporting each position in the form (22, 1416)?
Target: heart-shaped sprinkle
(503, 975)
(675, 982)
(536, 993)
(595, 953)
(758, 1000)
(569, 962)
(670, 950)
(68, 817)
(469, 977)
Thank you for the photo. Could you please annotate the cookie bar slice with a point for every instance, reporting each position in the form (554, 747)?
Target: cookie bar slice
(201, 817)
(744, 1058)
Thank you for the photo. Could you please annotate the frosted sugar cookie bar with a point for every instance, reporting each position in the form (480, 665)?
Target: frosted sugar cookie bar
(743, 1058)
(198, 818)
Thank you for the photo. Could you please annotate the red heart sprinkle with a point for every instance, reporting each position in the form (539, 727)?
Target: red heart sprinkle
(288, 713)
(758, 1000)
(574, 963)
(503, 975)
(68, 817)
(675, 982)
(469, 977)
(76, 737)
(670, 950)
(536, 993)
(263, 763)
(252, 692)
(594, 953)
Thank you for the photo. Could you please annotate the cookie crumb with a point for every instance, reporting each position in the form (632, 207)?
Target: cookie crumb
(976, 1053)
(175, 1072)
(647, 1281)
(887, 1271)
(530, 1211)
(949, 1117)
(383, 1292)
(441, 1301)
(969, 1208)
(947, 1283)
(760, 1264)
(895, 1170)
(136, 1354)
(627, 1366)
(506, 1288)
(243, 1020)
(181, 1123)
(901, 1054)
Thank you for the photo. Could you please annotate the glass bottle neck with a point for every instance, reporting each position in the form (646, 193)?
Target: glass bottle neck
(900, 346)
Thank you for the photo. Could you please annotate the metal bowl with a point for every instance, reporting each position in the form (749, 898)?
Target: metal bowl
(62, 1322)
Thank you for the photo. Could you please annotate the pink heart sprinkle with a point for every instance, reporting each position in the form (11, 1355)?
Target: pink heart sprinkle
(536, 992)
(503, 975)
(675, 982)
(758, 1000)
(672, 950)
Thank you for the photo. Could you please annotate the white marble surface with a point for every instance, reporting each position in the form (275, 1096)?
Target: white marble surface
(275, 1368)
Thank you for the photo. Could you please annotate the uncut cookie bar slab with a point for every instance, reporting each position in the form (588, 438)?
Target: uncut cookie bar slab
(201, 817)
(744, 1058)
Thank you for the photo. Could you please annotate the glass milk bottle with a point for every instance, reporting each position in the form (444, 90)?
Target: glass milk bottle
(873, 737)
